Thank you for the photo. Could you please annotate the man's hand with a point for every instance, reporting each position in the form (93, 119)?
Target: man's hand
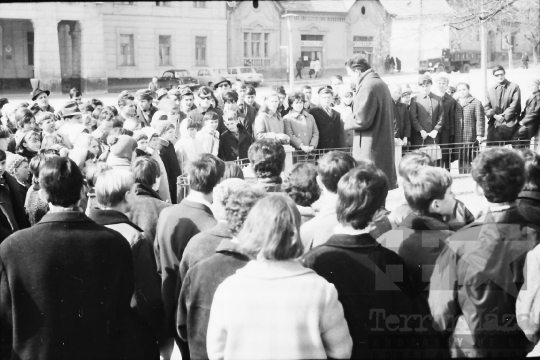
(480, 139)
(433, 134)
(284, 138)
(424, 134)
(305, 148)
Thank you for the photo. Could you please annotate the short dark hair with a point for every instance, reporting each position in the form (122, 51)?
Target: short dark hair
(267, 158)
(298, 95)
(532, 170)
(338, 77)
(203, 175)
(62, 181)
(146, 170)
(412, 161)
(4, 132)
(358, 62)
(96, 102)
(332, 166)
(301, 184)
(325, 90)
(305, 87)
(279, 89)
(111, 109)
(232, 170)
(210, 115)
(23, 116)
(251, 91)
(37, 163)
(3, 155)
(218, 163)
(424, 185)
(87, 108)
(500, 172)
(204, 90)
(230, 97)
(74, 92)
(498, 68)
(361, 193)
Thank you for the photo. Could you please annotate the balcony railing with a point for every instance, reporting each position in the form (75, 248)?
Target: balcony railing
(259, 63)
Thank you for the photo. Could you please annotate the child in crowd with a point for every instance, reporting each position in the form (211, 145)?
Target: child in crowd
(234, 143)
(344, 109)
(301, 186)
(142, 144)
(268, 123)
(167, 139)
(308, 93)
(300, 126)
(208, 137)
(249, 98)
(92, 173)
(186, 148)
(36, 207)
(327, 119)
(46, 122)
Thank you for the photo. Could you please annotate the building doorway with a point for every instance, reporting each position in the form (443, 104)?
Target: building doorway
(69, 43)
(16, 55)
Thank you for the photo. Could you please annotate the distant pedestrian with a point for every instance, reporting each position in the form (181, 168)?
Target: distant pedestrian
(398, 64)
(299, 66)
(153, 86)
(312, 68)
(387, 64)
(392, 64)
(318, 68)
(525, 60)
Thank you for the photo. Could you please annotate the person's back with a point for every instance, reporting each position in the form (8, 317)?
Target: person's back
(487, 260)
(67, 282)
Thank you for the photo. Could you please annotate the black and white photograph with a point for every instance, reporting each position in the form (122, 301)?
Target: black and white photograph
(266, 179)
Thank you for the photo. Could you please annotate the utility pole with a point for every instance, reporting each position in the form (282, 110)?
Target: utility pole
(291, 60)
(420, 34)
(483, 52)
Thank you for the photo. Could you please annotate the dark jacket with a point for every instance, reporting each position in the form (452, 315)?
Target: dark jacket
(247, 118)
(531, 114)
(172, 167)
(402, 121)
(145, 210)
(425, 117)
(65, 291)
(198, 114)
(451, 115)
(372, 120)
(197, 294)
(8, 222)
(146, 300)
(232, 148)
(17, 201)
(504, 99)
(203, 245)
(329, 127)
(345, 259)
(176, 226)
(481, 273)
(528, 205)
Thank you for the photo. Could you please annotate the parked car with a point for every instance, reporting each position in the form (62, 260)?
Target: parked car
(174, 77)
(209, 76)
(247, 74)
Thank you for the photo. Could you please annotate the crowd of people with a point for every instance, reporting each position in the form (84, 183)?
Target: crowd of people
(102, 257)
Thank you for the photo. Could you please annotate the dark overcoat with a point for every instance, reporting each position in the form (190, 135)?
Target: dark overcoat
(328, 126)
(372, 120)
(450, 115)
(65, 290)
(421, 119)
(530, 117)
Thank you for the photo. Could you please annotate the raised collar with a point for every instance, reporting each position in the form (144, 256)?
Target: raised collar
(503, 84)
(142, 190)
(364, 75)
(424, 222)
(67, 216)
(530, 194)
(111, 217)
(293, 114)
(197, 204)
(273, 269)
(227, 246)
(221, 229)
(352, 241)
(469, 99)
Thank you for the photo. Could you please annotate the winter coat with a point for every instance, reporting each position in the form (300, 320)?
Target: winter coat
(65, 290)
(470, 121)
(198, 289)
(146, 300)
(503, 99)
(402, 121)
(530, 116)
(373, 123)
(342, 261)
(172, 167)
(329, 127)
(427, 113)
(451, 115)
(528, 205)
(246, 117)
(303, 318)
(232, 148)
(301, 129)
(480, 275)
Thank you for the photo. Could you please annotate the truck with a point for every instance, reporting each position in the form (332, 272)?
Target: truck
(449, 61)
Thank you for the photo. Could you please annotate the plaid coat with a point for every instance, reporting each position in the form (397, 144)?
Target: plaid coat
(469, 121)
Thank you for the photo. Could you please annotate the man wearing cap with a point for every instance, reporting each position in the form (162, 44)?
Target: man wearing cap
(161, 93)
(530, 117)
(503, 107)
(406, 98)
(187, 100)
(205, 104)
(41, 97)
(222, 86)
(402, 119)
(427, 114)
(145, 110)
(73, 125)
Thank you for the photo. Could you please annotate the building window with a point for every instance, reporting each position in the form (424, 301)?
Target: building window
(362, 38)
(125, 2)
(256, 45)
(266, 37)
(164, 50)
(199, 4)
(163, 3)
(30, 47)
(311, 37)
(246, 44)
(200, 50)
(126, 47)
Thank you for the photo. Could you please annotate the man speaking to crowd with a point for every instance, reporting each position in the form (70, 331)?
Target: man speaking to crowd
(372, 118)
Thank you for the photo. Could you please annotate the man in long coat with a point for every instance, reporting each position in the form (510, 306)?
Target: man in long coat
(372, 119)
(427, 114)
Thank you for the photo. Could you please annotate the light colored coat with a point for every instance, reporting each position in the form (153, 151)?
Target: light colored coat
(301, 129)
(207, 143)
(285, 312)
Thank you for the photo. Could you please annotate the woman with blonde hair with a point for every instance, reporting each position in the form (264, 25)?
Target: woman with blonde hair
(285, 311)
